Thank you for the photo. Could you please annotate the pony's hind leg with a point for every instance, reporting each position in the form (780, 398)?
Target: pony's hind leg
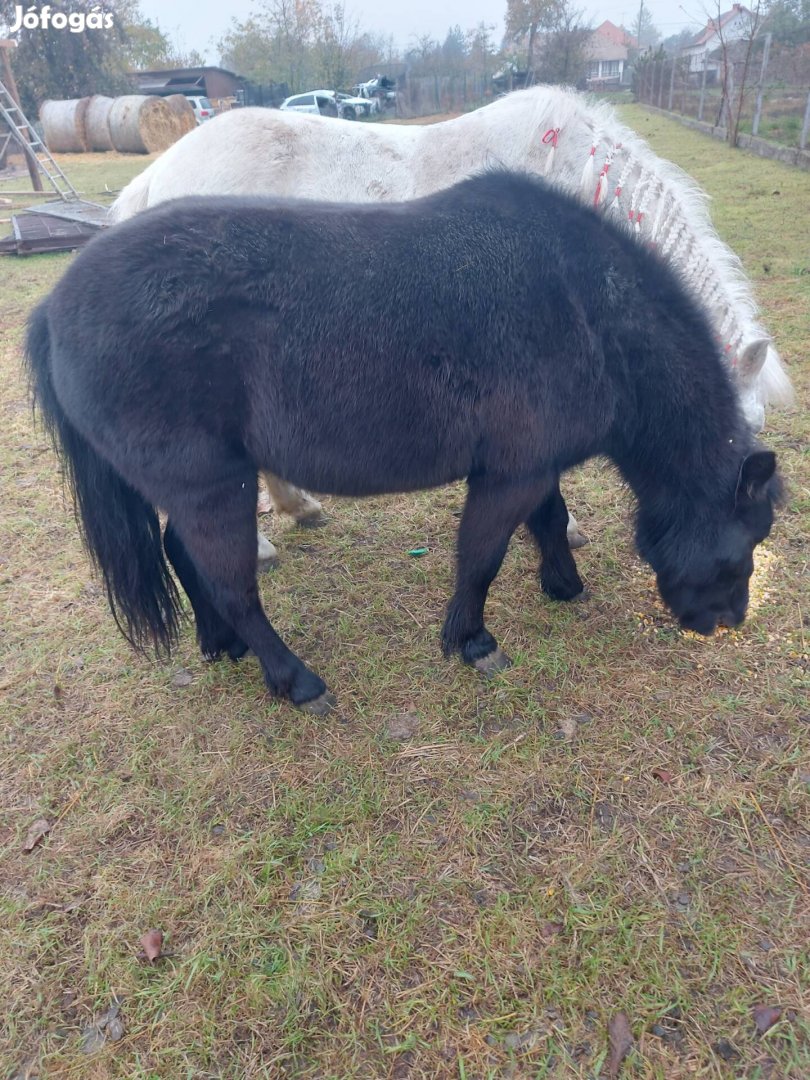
(548, 524)
(492, 512)
(287, 499)
(291, 500)
(576, 538)
(216, 530)
(214, 635)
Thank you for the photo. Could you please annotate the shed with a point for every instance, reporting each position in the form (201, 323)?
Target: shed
(211, 82)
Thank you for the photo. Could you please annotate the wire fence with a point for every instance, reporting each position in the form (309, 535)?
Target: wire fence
(426, 94)
(769, 87)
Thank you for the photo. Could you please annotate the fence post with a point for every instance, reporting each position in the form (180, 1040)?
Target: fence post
(671, 86)
(661, 86)
(761, 90)
(730, 103)
(805, 125)
(702, 91)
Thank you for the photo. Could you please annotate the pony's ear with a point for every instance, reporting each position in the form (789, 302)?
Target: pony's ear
(756, 472)
(752, 359)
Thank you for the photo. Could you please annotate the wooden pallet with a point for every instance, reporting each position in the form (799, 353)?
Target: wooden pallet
(34, 233)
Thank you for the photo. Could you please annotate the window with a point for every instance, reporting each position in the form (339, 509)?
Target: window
(610, 69)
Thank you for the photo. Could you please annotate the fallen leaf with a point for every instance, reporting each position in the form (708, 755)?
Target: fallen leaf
(724, 1049)
(765, 1016)
(568, 727)
(306, 890)
(524, 1040)
(115, 1029)
(605, 815)
(551, 929)
(109, 1027)
(182, 678)
(36, 834)
(152, 945)
(664, 775)
(402, 727)
(620, 1038)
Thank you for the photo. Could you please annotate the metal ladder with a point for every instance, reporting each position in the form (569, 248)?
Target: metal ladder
(34, 147)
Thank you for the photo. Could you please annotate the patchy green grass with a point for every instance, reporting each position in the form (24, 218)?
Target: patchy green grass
(617, 823)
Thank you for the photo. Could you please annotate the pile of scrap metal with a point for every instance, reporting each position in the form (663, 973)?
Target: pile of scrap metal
(57, 225)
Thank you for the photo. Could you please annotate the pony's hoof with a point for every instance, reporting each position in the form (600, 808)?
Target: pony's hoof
(564, 592)
(493, 663)
(316, 520)
(319, 706)
(266, 554)
(577, 539)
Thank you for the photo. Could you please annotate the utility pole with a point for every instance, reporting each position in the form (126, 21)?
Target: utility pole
(640, 16)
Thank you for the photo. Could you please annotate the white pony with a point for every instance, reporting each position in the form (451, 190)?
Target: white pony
(576, 143)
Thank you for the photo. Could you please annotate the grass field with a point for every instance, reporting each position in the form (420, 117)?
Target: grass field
(445, 878)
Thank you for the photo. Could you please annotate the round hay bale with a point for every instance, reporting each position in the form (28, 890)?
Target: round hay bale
(181, 107)
(142, 124)
(63, 125)
(97, 123)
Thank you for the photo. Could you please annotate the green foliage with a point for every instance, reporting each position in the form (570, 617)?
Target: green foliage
(555, 36)
(52, 63)
(789, 21)
(55, 63)
(675, 42)
(644, 29)
(303, 44)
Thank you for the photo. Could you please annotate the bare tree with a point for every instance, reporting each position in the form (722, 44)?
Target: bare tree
(736, 55)
(525, 19)
(302, 43)
(559, 25)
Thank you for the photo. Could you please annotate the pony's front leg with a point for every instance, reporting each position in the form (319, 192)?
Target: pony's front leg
(291, 500)
(548, 524)
(492, 512)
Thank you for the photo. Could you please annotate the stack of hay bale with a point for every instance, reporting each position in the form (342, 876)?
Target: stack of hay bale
(134, 124)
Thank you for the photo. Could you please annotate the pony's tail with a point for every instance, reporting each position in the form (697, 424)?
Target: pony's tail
(133, 199)
(120, 530)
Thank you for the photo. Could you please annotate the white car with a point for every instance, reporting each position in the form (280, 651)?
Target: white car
(203, 109)
(331, 103)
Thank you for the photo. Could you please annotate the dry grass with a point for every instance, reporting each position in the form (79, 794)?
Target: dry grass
(618, 823)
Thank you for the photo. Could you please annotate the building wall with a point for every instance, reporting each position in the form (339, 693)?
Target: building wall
(219, 84)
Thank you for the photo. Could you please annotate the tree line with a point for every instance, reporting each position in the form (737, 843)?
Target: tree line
(53, 62)
(316, 43)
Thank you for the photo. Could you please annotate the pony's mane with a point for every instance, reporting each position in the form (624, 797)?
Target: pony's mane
(664, 206)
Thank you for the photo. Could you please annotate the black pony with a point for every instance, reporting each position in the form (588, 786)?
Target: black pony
(518, 334)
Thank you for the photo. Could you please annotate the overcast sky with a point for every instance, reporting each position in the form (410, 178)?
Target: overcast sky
(199, 24)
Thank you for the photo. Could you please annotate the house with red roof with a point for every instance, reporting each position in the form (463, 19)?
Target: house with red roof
(607, 52)
(733, 25)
